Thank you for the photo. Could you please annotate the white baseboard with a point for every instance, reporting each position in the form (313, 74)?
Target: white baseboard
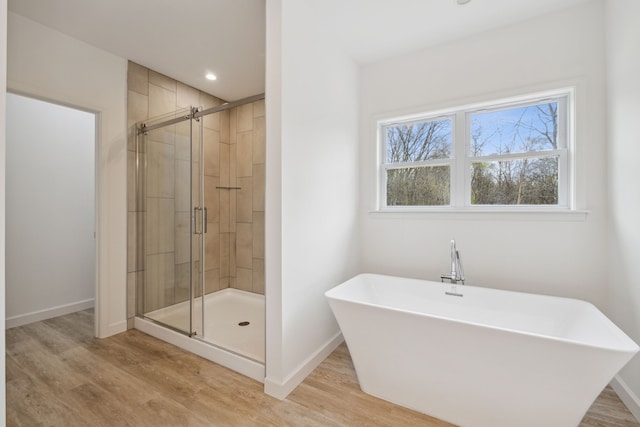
(48, 313)
(114, 329)
(628, 397)
(280, 390)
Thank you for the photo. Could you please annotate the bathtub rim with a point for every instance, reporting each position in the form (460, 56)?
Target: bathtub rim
(627, 345)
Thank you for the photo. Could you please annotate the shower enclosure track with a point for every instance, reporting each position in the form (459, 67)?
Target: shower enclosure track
(142, 128)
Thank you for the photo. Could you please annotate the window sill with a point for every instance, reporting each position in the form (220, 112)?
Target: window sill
(482, 214)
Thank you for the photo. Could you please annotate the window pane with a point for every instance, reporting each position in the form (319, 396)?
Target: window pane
(425, 186)
(515, 130)
(411, 142)
(515, 182)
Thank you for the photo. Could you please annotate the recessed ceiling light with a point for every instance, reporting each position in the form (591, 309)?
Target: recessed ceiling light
(463, 1)
(211, 76)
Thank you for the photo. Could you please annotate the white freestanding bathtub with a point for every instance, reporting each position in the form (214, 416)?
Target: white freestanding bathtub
(488, 358)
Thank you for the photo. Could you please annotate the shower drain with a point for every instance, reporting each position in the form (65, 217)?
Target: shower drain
(245, 323)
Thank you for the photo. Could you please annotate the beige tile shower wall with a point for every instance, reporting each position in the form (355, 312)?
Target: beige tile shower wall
(162, 257)
(213, 129)
(247, 171)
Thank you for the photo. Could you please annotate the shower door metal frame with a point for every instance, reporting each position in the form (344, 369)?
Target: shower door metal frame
(194, 221)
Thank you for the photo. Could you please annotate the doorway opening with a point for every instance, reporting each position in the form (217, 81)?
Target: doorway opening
(50, 210)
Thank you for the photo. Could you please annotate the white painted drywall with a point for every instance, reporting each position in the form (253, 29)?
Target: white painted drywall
(50, 209)
(623, 140)
(3, 89)
(312, 135)
(50, 65)
(539, 254)
(273, 194)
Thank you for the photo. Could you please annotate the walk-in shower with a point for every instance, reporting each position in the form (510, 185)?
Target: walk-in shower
(199, 192)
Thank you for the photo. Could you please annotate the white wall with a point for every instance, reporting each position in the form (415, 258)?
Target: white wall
(3, 87)
(533, 253)
(50, 210)
(51, 65)
(623, 103)
(312, 201)
(273, 196)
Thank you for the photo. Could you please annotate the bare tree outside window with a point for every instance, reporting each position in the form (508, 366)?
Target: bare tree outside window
(418, 143)
(507, 154)
(515, 181)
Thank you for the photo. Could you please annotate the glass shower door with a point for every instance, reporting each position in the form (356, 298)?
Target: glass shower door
(171, 235)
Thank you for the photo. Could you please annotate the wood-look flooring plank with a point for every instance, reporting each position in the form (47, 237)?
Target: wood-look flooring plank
(59, 375)
(608, 411)
(38, 405)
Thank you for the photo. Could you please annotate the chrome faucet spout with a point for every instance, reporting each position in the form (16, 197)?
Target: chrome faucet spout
(457, 273)
(453, 260)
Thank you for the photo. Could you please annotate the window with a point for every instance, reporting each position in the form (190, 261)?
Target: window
(509, 154)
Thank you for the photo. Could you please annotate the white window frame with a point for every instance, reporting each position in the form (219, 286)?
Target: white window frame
(461, 159)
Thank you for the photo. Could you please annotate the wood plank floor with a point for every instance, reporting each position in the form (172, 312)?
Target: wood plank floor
(59, 375)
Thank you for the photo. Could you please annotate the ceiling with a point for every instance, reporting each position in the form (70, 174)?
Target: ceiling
(373, 30)
(185, 39)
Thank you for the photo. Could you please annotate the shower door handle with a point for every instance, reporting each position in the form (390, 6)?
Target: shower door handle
(203, 218)
(195, 220)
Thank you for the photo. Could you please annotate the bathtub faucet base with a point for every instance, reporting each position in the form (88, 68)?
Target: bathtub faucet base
(453, 291)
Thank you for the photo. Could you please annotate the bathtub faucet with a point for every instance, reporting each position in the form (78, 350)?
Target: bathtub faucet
(457, 273)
